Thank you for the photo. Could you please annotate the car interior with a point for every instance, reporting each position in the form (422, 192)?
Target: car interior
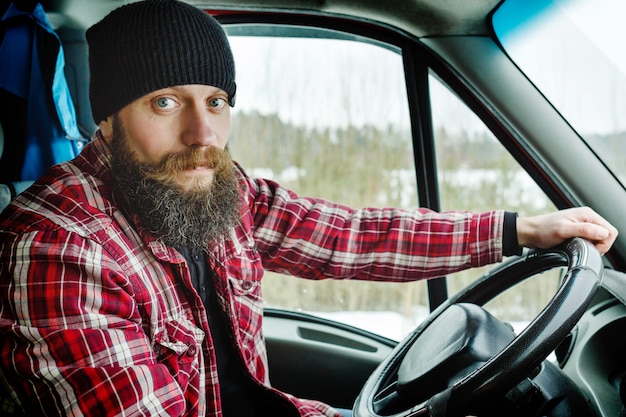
(458, 355)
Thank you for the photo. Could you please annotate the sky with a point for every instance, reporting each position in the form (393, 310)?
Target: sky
(340, 82)
(355, 83)
(578, 61)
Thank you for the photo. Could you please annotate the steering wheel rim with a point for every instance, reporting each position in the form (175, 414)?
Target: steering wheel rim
(524, 353)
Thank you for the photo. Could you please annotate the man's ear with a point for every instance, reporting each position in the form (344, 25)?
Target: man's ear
(106, 128)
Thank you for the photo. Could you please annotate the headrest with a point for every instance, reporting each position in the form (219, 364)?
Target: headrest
(1, 140)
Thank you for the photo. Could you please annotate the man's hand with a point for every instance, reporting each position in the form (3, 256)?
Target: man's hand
(548, 230)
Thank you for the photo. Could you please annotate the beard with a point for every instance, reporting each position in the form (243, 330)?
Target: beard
(194, 216)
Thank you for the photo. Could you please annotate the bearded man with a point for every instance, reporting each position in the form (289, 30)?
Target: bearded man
(130, 277)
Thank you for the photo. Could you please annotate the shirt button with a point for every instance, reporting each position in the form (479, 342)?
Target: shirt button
(246, 285)
(192, 350)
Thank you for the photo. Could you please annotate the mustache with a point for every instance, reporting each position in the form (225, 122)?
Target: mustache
(211, 157)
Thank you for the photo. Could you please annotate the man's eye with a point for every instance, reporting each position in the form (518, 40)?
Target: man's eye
(164, 103)
(217, 103)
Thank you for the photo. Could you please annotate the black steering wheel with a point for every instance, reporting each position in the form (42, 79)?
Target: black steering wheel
(461, 356)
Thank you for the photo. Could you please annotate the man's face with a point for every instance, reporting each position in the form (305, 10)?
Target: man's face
(175, 175)
(182, 120)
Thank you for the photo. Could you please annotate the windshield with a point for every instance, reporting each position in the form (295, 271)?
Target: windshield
(573, 52)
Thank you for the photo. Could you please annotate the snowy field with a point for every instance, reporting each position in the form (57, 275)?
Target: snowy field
(387, 323)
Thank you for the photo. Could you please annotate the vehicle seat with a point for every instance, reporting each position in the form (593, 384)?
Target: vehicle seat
(5, 191)
(5, 196)
(9, 190)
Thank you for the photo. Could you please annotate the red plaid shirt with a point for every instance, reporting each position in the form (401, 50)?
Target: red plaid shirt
(98, 317)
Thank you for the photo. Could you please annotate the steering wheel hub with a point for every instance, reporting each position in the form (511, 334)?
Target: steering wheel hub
(456, 343)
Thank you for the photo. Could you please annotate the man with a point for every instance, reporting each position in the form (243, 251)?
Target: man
(130, 276)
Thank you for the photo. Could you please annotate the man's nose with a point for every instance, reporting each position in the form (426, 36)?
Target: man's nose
(197, 127)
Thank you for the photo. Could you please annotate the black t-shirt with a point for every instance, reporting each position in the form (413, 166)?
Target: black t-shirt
(241, 397)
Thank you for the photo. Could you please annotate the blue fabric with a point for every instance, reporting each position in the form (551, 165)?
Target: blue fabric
(52, 133)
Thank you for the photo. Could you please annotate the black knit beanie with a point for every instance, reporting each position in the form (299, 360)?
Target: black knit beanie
(145, 46)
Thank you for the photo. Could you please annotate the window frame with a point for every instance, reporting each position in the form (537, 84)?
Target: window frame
(419, 64)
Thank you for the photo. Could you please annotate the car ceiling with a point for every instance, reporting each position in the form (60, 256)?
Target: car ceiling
(419, 17)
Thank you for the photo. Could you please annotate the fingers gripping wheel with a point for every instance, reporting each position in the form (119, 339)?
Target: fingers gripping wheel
(461, 356)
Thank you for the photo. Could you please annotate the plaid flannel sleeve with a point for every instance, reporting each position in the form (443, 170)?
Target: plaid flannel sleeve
(73, 343)
(317, 239)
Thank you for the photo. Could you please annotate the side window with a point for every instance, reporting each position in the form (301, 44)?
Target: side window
(476, 173)
(326, 114)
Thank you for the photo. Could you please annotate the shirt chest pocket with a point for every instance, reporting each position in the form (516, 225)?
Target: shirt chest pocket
(179, 348)
(244, 270)
(247, 289)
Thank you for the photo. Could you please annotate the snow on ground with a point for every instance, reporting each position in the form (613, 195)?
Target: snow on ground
(388, 323)
(385, 323)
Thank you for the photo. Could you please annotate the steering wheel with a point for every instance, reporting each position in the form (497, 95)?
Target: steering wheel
(461, 356)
